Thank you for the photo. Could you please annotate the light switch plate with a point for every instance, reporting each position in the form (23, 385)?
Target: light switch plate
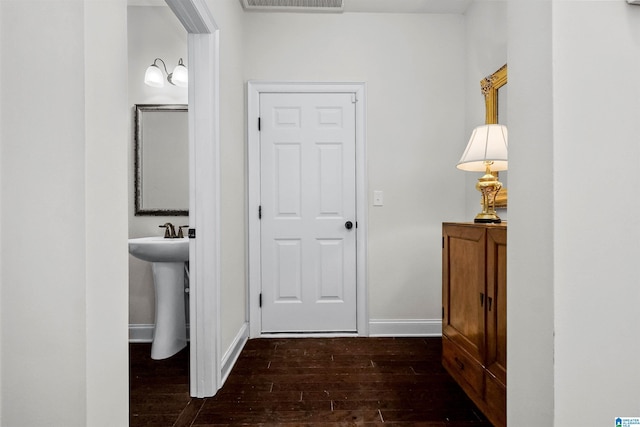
(378, 198)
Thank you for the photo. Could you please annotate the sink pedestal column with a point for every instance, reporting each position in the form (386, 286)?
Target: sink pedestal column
(170, 334)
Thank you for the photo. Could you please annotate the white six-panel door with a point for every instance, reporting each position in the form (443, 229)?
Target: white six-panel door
(308, 211)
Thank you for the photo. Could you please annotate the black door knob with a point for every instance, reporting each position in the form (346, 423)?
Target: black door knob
(348, 225)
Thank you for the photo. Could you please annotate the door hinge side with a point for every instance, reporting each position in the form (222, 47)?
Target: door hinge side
(443, 311)
(442, 242)
(260, 212)
(259, 125)
(260, 300)
(354, 98)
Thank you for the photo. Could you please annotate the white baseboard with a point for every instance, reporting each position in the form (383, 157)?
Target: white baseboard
(405, 328)
(141, 332)
(233, 352)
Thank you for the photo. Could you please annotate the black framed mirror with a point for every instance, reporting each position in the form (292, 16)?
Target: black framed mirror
(161, 160)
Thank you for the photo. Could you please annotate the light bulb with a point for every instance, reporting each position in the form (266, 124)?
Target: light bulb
(153, 76)
(180, 75)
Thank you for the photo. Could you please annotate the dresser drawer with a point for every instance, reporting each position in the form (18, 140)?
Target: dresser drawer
(461, 366)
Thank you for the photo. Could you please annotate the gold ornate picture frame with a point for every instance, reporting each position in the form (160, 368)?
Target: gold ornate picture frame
(490, 87)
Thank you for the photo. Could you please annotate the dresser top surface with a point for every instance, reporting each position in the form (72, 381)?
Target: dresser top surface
(476, 224)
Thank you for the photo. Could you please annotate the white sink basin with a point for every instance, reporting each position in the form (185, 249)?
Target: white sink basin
(159, 249)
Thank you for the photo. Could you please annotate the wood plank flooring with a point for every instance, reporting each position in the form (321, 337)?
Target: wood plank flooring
(308, 382)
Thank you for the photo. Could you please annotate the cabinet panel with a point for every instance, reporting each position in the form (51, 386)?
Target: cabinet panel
(496, 336)
(463, 287)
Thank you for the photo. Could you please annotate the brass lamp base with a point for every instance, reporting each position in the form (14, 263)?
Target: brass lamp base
(488, 219)
(488, 186)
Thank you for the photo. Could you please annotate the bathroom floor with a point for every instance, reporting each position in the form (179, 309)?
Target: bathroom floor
(310, 381)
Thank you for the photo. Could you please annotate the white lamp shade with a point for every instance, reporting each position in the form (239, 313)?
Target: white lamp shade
(180, 76)
(488, 143)
(153, 76)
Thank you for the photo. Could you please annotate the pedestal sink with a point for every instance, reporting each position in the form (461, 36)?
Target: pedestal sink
(167, 258)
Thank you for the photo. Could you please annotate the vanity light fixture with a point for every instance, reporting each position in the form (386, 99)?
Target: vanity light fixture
(154, 77)
(486, 152)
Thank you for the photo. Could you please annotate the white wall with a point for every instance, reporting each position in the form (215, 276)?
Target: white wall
(43, 284)
(530, 267)
(63, 199)
(229, 16)
(153, 32)
(415, 122)
(573, 232)
(105, 185)
(2, 37)
(596, 247)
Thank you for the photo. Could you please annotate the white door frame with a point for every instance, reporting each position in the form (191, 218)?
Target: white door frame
(254, 89)
(204, 194)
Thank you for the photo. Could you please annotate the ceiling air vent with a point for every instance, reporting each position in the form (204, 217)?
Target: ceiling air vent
(294, 5)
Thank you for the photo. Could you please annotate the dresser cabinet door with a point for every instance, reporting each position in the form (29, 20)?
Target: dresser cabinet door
(496, 332)
(496, 358)
(463, 275)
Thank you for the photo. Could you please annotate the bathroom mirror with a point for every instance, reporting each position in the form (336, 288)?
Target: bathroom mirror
(161, 160)
(494, 89)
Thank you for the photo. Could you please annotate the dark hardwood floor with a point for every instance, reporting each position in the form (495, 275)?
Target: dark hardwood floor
(309, 381)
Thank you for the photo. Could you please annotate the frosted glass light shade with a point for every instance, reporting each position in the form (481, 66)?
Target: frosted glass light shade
(488, 144)
(153, 76)
(180, 75)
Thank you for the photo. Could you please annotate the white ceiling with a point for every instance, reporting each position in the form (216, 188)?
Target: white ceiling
(407, 6)
(375, 6)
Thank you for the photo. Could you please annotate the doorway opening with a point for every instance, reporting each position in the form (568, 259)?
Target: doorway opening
(204, 194)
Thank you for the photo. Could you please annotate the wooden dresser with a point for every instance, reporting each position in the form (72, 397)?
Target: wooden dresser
(474, 313)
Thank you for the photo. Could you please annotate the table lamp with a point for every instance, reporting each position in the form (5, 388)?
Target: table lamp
(486, 152)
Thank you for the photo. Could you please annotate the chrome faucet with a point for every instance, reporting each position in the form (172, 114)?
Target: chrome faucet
(169, 230)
